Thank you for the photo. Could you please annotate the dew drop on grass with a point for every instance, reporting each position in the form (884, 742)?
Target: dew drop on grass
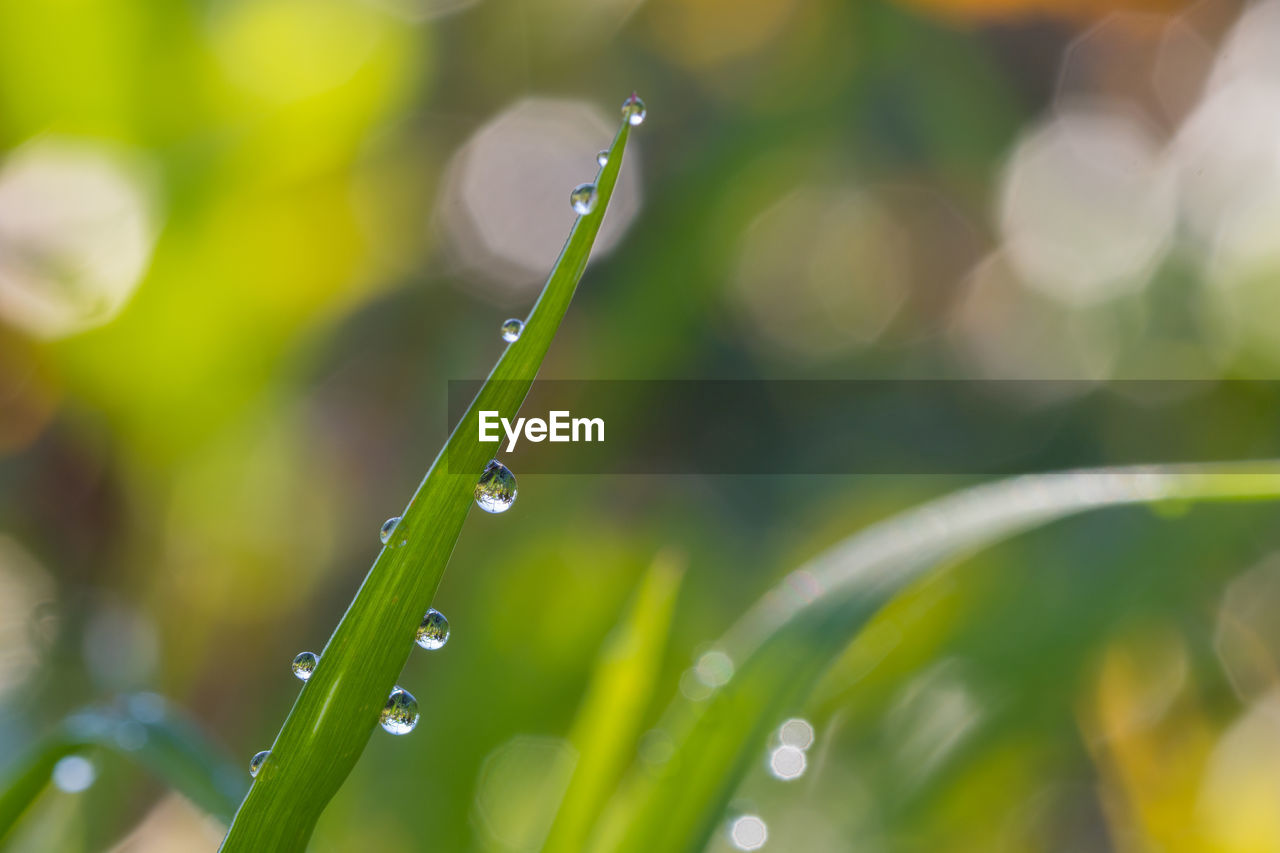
(400, 714)
(633, 109)
(511, 330)
(433, 633)
(388, 528)
(602, 157)
(496, 489)
(305, 664)
(583, 199)
(255, 763)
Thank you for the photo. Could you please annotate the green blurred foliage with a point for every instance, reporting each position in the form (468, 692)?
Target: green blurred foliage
(285, 353)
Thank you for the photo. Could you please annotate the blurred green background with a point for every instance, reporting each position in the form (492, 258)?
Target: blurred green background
(245, 244)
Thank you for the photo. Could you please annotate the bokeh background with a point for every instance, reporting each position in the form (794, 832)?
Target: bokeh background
(244, 244)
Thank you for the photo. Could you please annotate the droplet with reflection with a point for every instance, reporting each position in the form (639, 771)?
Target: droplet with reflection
(400, 714)
(511, 330)
(433, 633)
(305, 664)
(583, 199)
(496, 489)
(633, 110)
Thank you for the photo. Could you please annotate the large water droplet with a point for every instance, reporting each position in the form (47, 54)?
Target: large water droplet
(511, 330)
(602, 157)
(496, 489)
(73, 774)
(633, 109)
(400, 714)
(255, 763)
(583, 199)
(388, 528)
(433, 633)
(305, 664)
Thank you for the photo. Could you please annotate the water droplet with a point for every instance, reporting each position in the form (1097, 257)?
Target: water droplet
(305, 664)
(602, 157)
(796, 732)
(583, 199)
(73, 774)
(748, 832)
(787, 762)
(400, 714)
(255, 763)
(633, 109)
(389, 527)
(496, 489)
(433, 633)
(511, 330)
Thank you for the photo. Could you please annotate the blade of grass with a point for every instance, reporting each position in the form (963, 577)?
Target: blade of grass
(336, 712)
(162, 739)
(784, 644)
(608, 723)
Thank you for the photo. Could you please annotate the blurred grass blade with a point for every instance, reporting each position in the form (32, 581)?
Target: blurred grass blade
(336, 712)
(154, 735)
(608, 723)
(784, 644)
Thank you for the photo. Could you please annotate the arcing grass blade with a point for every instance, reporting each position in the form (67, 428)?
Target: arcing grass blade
(338, 708)
(784, 644)
(148, 732)
(608, 723)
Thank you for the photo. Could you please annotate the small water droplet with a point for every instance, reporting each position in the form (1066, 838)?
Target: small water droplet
(496, 489)
(583, 199)
(602, 157)
(255, 763)
(389, 527)
(73, 774)
(433, 633)
(305, 664)
(633, 109)
(511, 330)
(400, 714)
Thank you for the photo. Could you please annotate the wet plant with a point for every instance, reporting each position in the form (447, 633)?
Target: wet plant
(669, 788)
(350, 687)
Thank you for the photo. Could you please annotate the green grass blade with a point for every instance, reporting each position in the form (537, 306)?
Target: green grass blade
(607, 727)
(162, 739)
(336, 712)
(784, 644)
